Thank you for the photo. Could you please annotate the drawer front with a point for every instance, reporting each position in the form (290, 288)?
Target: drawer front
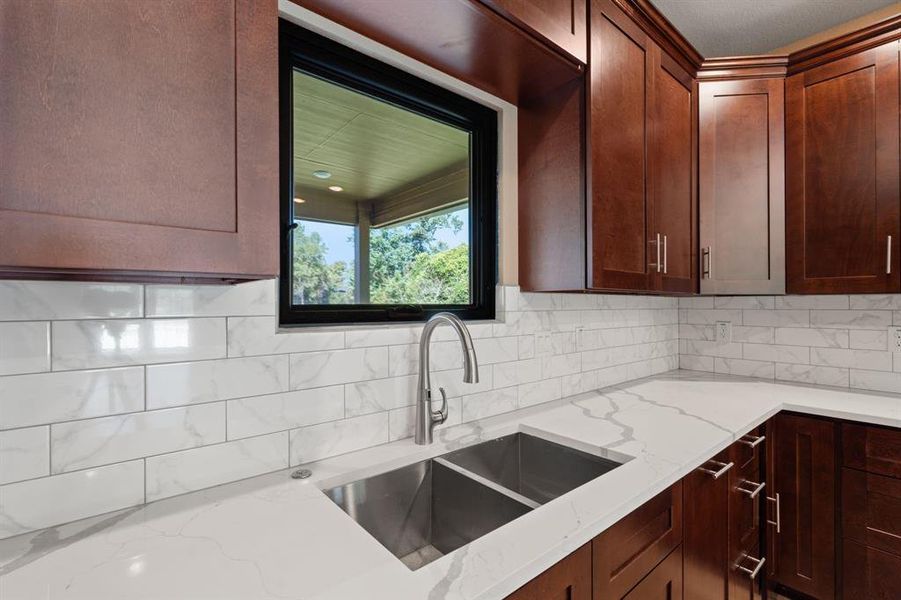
(746, 492)
(569, 579)
(746, 451)
(871, 510)
(870, 574)
(663, 583)
(745, 574)
(873, 449)
(624, 554)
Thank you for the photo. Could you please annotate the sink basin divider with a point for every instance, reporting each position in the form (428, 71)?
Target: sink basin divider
(487, 483)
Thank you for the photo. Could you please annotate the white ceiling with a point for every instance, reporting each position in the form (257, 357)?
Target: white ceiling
(739, 27)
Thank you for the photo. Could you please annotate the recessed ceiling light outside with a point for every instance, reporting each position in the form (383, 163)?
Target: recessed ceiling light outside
(336, 188)
(321, 174)
(299, 200)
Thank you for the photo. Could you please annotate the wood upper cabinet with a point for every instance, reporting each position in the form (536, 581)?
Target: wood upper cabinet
(140, 139)
(561, 22)
(641, 148)
(804, 478)
(569, 579)
(741, 186)
(842, 198)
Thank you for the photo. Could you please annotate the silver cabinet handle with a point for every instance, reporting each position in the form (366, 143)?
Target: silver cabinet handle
(705, 263)
(778, 521)
(888, 255)
(664, 253)
(751, 440)
(758, 564)
(755, 487)
(658, 252)
(723, 468)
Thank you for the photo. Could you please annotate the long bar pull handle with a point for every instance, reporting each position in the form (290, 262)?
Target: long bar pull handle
(758, 564)
(778, 521)
(664, 253)
(888, 255)
(705, 263)
(658, 253)
(723, 468)
(751, 440)
(752, 493)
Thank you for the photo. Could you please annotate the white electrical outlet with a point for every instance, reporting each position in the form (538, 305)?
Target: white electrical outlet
(894, 339)
(723, 332)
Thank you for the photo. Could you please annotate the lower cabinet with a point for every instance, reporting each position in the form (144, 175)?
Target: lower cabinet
(569, 579)
(663, 583)
(870, 573)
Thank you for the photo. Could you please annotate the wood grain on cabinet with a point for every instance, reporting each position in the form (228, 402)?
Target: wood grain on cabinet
(742, 186)
(871, 510)
(562, 22)
(671, 168)
(663, 583)
(870, 573)
(746, 492)
(569, 579)
(705, 534)
(842, 175)
(624, 554)
(139, 137)
(871, 448)
(620, 249)
(804, 476)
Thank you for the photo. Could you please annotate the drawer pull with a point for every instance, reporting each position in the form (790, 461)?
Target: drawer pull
(754, 488)
(778, 521)
(758, 564)
(723, 468)
(751, 440)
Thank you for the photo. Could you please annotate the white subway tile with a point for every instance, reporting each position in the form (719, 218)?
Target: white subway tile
(53, 397)
(851, 319)
(855, 359)
(876, 302)
(24, 454)
(812, 374)
(83, 444)
(869, 339)
(365, 397)
(338, 437)
(710, 317)
(24, 347)
(495, 350)
(546, 390)
(93, 344)
(253, 336)
(278, 412)
(805, 336)
(688, 331)
(776, 353)
(560, 364)
(879, 381)
(381, 336)
(486, 404)
(819, 302)
(744, 302)
(190, 470)
(776, 318)
(696, 363)
(745, 368)
(54, 300)
(319, 369)
(251, 298)
(514, 373)
(526, 345)
(178, 384)
(752, 335)
(706, 348)
(38, 503)
(696, 302)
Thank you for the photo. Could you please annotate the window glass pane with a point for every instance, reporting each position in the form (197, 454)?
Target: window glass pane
(381, 201)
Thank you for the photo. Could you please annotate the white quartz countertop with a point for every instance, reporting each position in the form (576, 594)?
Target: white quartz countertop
(275, 537)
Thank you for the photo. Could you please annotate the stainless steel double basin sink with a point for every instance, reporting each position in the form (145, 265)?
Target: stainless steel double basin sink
(425, 510)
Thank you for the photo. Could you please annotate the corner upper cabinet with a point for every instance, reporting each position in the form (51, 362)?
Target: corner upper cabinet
(742, 186)
(842, 202)
(561, 22)
(140, 139)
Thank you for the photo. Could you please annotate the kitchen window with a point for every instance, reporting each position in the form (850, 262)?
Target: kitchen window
(389, 191)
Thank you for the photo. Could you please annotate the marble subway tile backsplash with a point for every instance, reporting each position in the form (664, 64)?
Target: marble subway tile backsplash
(112, 395)
(826, 340)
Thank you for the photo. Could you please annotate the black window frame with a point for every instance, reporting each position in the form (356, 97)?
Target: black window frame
(321, 57)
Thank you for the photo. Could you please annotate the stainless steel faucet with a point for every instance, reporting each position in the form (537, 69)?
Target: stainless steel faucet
(426, 418)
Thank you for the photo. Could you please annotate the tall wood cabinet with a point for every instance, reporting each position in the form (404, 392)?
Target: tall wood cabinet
(842, 205)
(561, 22)
(741, 186)
(640, 135)
(139, 139)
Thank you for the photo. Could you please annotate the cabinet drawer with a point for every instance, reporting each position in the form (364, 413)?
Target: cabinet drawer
(870, 574)
(745, 574)
(663, 583)
(871, 510)
(569, 579)
(624, 554)
(873, 449)
(746, 451)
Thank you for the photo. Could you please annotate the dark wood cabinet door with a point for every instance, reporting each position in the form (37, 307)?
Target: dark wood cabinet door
(620, 252)
(624, 554)
(842, 207)
(871, 448)
(569, 579)
(804, 472)
(747, 490)
(663, 583)
(871, 510)
(869, 573)
(741, 175)
(671, 168)
(139, 136)
(705, 503)
(562, 22)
